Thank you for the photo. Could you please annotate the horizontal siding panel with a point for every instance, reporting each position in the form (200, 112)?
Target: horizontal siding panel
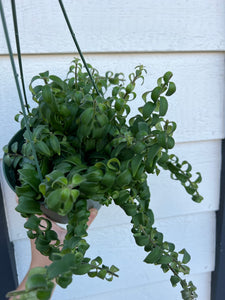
(116, 246)
(155, 291)
(119, 26)
(168, 197)
(197, 106)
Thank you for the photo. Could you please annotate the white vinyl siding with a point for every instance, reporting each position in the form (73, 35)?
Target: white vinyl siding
(185, 37)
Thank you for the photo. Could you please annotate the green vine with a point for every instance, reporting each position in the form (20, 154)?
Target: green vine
(88, 148)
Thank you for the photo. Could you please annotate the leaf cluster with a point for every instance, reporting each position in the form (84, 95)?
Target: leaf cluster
(89, 148)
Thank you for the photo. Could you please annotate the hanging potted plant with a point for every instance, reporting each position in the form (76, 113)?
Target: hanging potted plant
(88, 147)
(79, 148)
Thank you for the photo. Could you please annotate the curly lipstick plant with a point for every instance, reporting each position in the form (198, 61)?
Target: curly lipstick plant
(89, 148)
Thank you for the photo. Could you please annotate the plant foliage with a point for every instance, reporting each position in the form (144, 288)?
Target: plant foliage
(89, 148)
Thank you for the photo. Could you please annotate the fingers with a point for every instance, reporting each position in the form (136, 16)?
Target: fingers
(93, 214)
